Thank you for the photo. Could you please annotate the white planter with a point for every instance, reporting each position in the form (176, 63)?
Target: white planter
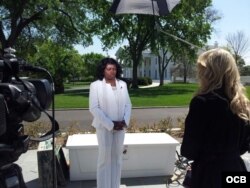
(147, 154)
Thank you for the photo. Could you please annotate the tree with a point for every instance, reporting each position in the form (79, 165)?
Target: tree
(186, 61)
(62, 21)
(163, 60)
(91, 61)
(238, 44)
(183, 33)
(59, 61)
(25, 24)
(124, 56)
(187, 22)
(245, 71)
(76, 67)
(137, 29)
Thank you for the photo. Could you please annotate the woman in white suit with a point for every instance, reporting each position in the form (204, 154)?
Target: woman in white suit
(110, 105)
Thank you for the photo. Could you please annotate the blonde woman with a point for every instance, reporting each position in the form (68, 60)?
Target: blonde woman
(217, 129)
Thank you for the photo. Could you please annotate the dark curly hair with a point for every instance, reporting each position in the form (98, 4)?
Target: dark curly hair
(102, 65)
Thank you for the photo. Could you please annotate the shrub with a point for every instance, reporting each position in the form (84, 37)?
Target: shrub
(128, 81)
(38, 128)
(149, 80)
(144, 81)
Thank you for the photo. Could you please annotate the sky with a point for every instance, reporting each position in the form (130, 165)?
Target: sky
(235, 16)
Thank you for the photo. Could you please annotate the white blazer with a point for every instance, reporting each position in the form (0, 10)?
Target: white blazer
(103, 106)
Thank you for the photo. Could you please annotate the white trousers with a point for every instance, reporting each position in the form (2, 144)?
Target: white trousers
(109, 164)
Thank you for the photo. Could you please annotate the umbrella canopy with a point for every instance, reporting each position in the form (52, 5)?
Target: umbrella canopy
(153, 7)
(150, 7)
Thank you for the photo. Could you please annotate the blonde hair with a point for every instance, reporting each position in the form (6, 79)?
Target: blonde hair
(217, 69)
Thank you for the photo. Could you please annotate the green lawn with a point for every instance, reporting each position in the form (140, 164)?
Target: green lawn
(168, 95)
(72, 85)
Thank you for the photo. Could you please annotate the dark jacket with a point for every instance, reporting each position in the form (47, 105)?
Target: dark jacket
(214, 139)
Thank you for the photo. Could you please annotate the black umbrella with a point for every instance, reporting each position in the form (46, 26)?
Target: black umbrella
(153, 7)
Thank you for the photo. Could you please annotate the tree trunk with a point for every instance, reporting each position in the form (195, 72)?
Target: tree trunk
(135, 77)
(185, 72)
(136, 60)
(59, 87)
(161, 79)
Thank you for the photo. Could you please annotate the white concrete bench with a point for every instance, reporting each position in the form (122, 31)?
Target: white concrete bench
(147, 154)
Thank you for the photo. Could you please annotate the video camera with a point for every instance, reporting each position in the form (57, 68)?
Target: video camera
(20, 100)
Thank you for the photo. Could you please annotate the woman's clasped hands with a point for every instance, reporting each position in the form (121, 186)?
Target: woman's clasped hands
(119, 125)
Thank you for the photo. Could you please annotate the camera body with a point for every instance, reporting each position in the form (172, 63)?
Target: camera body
(20, 104)
(20, 100)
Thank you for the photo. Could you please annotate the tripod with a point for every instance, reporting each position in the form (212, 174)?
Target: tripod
(12, 145)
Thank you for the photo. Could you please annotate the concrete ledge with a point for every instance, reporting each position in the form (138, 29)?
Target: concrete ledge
(147, 154)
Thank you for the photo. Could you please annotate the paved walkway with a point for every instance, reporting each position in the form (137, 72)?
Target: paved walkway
(29, 165)
(154, 84)
(28, 162)
(82, 119)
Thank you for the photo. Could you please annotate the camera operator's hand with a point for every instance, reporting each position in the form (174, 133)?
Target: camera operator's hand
(119, 125)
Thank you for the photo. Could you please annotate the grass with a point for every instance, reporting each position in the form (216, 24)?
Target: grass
(173, 94)
(72, 85)
(73, 99)
(167, 95)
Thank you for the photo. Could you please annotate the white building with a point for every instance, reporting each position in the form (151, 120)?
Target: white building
(148, 68)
